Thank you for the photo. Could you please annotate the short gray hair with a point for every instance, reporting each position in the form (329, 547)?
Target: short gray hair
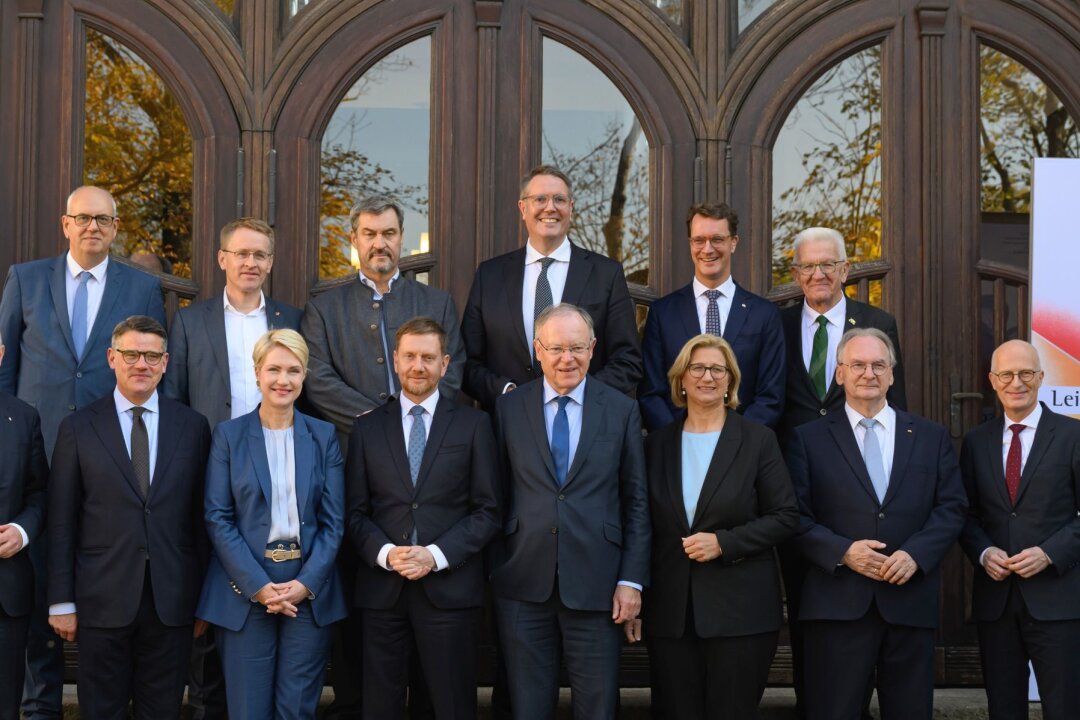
(561, 310)
(820, 233)
(866, 332)
(377, 205)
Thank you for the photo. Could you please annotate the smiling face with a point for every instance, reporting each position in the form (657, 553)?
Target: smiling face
(711, 246)
(138, 380)
(89, 245)
(548, 222)
(705, 391)
(822, 290)
(1018, 398)
(245, 274)
(280, 377)
(420, 364)
(564, 370)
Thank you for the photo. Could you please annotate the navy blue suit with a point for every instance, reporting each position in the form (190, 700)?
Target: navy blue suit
(272, 660)
(754, 331)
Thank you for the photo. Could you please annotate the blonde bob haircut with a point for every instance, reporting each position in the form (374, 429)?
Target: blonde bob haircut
(682, 364)
(288, 339)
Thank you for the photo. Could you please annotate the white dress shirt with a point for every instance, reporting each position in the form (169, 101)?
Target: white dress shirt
(242, 330)
(95, 288)
(836, 315)
(556, 276)
(727, 293)
(281, 457)
(885, 431)
(407, 419)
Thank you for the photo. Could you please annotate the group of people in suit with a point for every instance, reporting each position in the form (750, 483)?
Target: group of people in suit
(233, 502)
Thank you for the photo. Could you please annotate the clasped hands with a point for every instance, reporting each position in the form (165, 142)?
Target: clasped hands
(863, 557)
(412, 562)
(282, 598)
(999, 565)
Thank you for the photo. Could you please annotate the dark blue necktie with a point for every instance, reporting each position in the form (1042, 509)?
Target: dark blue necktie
(712, 313)
(79, 329)
(560, 440)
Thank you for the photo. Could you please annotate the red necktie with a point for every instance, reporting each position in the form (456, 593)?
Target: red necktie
(1012, 463)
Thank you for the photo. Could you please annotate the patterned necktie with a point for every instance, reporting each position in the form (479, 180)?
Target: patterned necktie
(817, 357)
(417, 441)
(875, 465)
(79, 329)
(1013, 461)
(712, 313)
(140, 450)
(543, 299)
(560, 440)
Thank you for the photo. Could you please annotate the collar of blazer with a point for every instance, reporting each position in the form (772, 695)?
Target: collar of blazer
(395, 439)
(727, 447)
(1044, 437)
(904, 441)
(303, 455)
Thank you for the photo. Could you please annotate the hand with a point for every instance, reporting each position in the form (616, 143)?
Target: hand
(412, 562)
(996, 563)
(201, 626)
(289, 596)
(64, 625)
(626, 604)
(863, 558)
(10, 541)
(898, 568)
(702, 547)
(632, 630)
(1027, 563)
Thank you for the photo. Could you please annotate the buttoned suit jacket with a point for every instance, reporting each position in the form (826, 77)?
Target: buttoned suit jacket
(801, 402)
(198, 374)
(498, 352)
(453, 505)
(1044, 515)
(24, 473)
(922, 513)
(102, 533)
(753, 329)
(238, 496)
(594, 530)
(40, 366)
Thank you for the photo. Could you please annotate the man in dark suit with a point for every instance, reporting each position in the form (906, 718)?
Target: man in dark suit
(419, 520)
(574, 555)
(23, 476)
(882, 502)
(714, 303)
(211, 371)
(56, 316)
(510, 290)
(1022, 475)
(127, 541)
(812, 332)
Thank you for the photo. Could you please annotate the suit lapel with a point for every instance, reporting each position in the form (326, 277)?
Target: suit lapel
(115, 288)
(513, 272)
(727, 447)
(108, 429)
(591, 413)
(577, 276)
(214, 323)
(440, 423)
(686, 309)
(257, 450)
(903, 442)
(304, 457)
(58, 285)
(672, 457)
(273, 315)
(167, 428)
(992, 448)
(395, 440)
(1044, 437)
(736, 316)
(849, 448)
(535, 414)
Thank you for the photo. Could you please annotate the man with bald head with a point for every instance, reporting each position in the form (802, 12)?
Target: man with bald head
(1022, 475)
(56, 318)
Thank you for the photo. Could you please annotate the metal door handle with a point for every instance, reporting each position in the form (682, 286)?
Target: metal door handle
(956, 420)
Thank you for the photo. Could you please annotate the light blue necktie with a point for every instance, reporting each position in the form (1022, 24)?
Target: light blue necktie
(875, 465)
(79, 329)
(560, 440)
(417, 441)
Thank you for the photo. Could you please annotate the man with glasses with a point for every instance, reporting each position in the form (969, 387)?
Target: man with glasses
(713, 303)
(511, 290)
(882, 503)
(127, 540)
(56, 316)
(211, 371)
(1022, 474)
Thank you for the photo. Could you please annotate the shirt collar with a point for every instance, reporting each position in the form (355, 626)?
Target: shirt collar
(229, 305)
(123, 404)
(726, 288)
(559, 254)
(1031, 421)
(835, 315)
(886, 416)
(577, 394)
(428, 404)
(371, 283)
(98, 271)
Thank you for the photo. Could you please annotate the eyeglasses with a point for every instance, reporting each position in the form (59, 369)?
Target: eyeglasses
(539, 201)
(103, 221)
(245, 255)
(714, 240)
(132, 356)
(718, 372)
(828, 268)
(556, 350)
(1006, 376)
(878, 368)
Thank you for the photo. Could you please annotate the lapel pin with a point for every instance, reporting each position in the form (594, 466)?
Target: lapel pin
(744, 304)
(909, 429)
(9, 419)
(851, 321)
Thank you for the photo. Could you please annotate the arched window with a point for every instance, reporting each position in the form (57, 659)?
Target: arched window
(748, 10)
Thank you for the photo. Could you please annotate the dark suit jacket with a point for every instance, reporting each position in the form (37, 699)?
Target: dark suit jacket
(748, 501)
(198, 373)
(801, 403)
(922, 513)
(24, 473)
(754, 332)
(40, 366)
(453, 505)
(496, 348)
(102, 532)
(1045, 515)
(593, 531)
(238, 496)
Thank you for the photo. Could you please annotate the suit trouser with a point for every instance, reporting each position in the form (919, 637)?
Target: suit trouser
(12, 663)
(1006, 645)
(43, 687)
(535, 635)
(206, 680)
(842, 655)
(144, 663)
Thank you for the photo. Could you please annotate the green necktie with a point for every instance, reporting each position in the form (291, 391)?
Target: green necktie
(817, 357)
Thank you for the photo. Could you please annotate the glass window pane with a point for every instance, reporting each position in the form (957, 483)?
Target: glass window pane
(292, 7)
(748, 10)
(377, 143)
(591, 133)
(671, 9)
(138, 146)
(827, 163)
(226, 6)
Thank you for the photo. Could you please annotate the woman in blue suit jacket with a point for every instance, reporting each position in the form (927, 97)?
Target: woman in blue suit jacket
(275, 498)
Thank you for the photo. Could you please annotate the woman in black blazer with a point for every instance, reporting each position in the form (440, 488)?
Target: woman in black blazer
(721, 501)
